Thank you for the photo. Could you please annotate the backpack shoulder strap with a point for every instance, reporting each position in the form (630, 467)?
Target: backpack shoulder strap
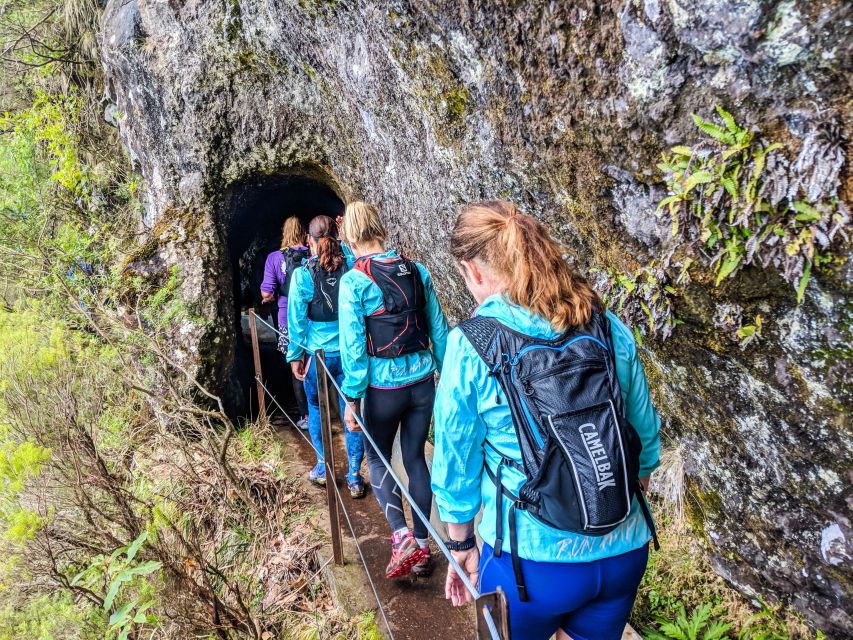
(481, 332)
(363, 264)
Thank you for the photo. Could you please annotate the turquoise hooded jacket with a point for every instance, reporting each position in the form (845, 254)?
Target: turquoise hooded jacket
(301, 329)
(360, 297)
(470, 408)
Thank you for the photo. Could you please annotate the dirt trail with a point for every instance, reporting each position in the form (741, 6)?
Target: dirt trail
(416, 609)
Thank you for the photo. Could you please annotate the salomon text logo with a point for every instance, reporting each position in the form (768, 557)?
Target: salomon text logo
(403, 270)
(600, 461)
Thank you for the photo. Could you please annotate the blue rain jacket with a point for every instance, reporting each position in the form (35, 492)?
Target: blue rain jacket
(470, 407)
(301, 329)
(360, 297)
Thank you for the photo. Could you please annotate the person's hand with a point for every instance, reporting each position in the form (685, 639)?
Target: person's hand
(349, 418)
(644, 483)
(297, 368)
(266, 296)
(454, 588)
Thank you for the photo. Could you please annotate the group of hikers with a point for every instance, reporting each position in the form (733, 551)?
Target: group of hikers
(540, 408)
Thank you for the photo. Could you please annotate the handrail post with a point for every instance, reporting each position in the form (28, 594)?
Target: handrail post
(329, 456)
(256, 356)
(492, 616)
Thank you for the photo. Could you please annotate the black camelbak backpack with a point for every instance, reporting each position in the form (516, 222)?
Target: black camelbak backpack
(324, 305)
(400, 327)
(293, 258)
(580, 454)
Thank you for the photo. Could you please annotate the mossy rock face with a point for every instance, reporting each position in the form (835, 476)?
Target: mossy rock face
(564, 108)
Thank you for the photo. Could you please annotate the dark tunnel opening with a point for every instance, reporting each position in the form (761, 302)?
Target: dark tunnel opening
(253, 222)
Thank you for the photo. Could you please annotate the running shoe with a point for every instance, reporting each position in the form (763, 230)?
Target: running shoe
(405, 553)
(317, 475)
(356, 487)
(423, 567)
(302, 423)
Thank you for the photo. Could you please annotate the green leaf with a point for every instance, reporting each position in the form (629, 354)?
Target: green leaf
(638, 336)
(115, 585)
(122, 614)
(730, 186)
(728, 119)
(743, 137)
(804, 280)
(726, 268)
(146, 568)
(140, 616)
(681, 150)
(716, 630)
(700, 177)
(806, 212)
(714, 131)
(746, 332)
(136, 545)
(668, 200)
(728, 153)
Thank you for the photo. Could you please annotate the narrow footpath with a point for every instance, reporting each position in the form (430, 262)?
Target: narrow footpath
(416, 608)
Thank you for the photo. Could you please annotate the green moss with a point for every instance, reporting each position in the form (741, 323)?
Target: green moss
(315, 7)
(234, 21)
(442, 94)
(701, 506)
(457, 103)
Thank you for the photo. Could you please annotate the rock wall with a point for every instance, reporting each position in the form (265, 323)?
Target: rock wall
(564, 108)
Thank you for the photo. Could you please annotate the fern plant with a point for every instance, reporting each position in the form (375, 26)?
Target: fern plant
(643, 299)
(737, 198)
(698, 626)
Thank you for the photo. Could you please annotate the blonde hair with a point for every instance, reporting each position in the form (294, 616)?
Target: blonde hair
(519, 249)
(292, 233)
(324, 230)
(362, 224)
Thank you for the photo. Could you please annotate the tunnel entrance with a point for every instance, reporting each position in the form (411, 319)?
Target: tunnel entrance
(253, 222)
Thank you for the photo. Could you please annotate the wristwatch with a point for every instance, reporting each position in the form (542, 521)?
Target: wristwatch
(454, 545)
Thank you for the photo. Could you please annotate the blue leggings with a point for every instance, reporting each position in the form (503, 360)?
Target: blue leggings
(587, 600)
(354, 444)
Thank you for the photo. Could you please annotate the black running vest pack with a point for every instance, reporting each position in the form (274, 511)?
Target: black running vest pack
(292, 259)
(580, 455)
(400, 326)
(324, 305)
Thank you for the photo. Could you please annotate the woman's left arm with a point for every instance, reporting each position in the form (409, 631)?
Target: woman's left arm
(437, 321)
(353, 337)
(639, 408)
(457, 464)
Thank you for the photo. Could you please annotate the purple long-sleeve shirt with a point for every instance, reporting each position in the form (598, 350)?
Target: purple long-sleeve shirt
(274, 277)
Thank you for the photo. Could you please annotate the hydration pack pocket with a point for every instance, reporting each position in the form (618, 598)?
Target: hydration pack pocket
(591, 442)
(399, 333)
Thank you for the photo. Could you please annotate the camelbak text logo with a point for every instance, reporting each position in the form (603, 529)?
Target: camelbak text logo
(600, 461)
(403, 270)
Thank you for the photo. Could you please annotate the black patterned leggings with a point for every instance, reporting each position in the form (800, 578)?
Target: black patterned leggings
(410, 408)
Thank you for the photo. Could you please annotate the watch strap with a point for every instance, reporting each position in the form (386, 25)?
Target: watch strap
(464, 545)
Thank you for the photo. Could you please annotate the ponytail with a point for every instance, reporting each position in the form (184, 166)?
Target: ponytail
(325, 233)
(519, 249)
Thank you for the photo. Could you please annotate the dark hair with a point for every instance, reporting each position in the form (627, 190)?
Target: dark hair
(520, 250)
(324, 230)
